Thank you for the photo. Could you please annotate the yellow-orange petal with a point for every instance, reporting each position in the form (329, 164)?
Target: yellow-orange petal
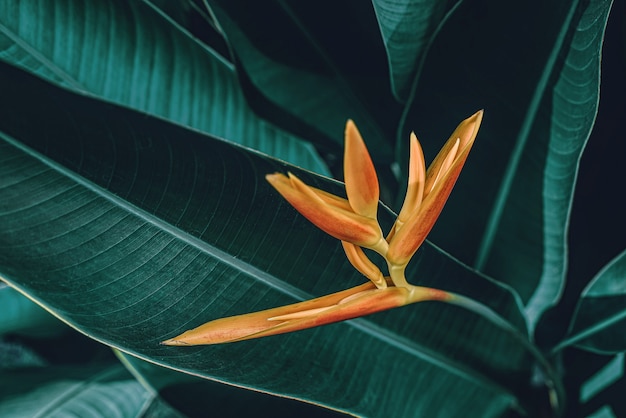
(352, 303)
(335, 221)
(359, 261)
(417, 178)
(466, 134)
(359, 174)
(407, 240)
(245, 326)
(332, 199)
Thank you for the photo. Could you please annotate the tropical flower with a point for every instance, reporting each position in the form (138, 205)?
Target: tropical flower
(354, 222)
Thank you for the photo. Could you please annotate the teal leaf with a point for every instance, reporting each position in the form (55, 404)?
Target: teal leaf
(599, 322)
(20, 315)
(81, 391)
(508, 216)
(131, 230)
(129, 53)
(192, 396)
(15, 355)
(406, 28)
(608, 375)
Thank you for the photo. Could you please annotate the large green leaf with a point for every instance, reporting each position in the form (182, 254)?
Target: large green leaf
(72, 391)
(406, 28)
(534, 67)
(130, 54)
(131, 230)
(599, 323)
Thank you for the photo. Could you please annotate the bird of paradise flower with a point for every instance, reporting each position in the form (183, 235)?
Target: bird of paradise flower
(354, 222)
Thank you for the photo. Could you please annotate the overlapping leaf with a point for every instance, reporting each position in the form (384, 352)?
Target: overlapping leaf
(131, 230)
(297, 72)
(97, 391)
(24, 316)
(128, 53)
(599, 323)
(193, 396)
(406, 28)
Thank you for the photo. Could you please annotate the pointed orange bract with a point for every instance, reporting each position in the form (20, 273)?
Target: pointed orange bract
(358, 301)
(353, 221)
(440, 179)
(359, 174)
(329, 215)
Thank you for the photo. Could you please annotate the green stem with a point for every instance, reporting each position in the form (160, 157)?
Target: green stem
(552, 380)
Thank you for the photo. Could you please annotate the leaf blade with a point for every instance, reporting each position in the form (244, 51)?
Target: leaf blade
(406, 28)
(600, 317)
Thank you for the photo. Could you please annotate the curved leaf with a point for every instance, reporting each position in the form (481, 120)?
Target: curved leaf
(128, 53)
(14, 355)
(599, 323)
(131, 229)
(406, 27)
(193, 396)
(95, 391)
(299, 72)
(540, 93)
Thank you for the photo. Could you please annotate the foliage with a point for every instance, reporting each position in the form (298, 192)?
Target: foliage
(134, 141)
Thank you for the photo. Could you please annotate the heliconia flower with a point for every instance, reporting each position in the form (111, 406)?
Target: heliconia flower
(353, 221)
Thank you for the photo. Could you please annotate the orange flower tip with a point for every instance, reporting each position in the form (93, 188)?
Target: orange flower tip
(275, 178)
(476, 119)
(359, 174)
(417, 179)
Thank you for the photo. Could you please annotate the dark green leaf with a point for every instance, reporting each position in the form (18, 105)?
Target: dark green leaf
(133, 230)
(128, 53)
(296, 70)
(509, 213)
(84, 391)
(605, 377)
(599, 323)
(406, 27)
(193, 396)
(15, 355)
